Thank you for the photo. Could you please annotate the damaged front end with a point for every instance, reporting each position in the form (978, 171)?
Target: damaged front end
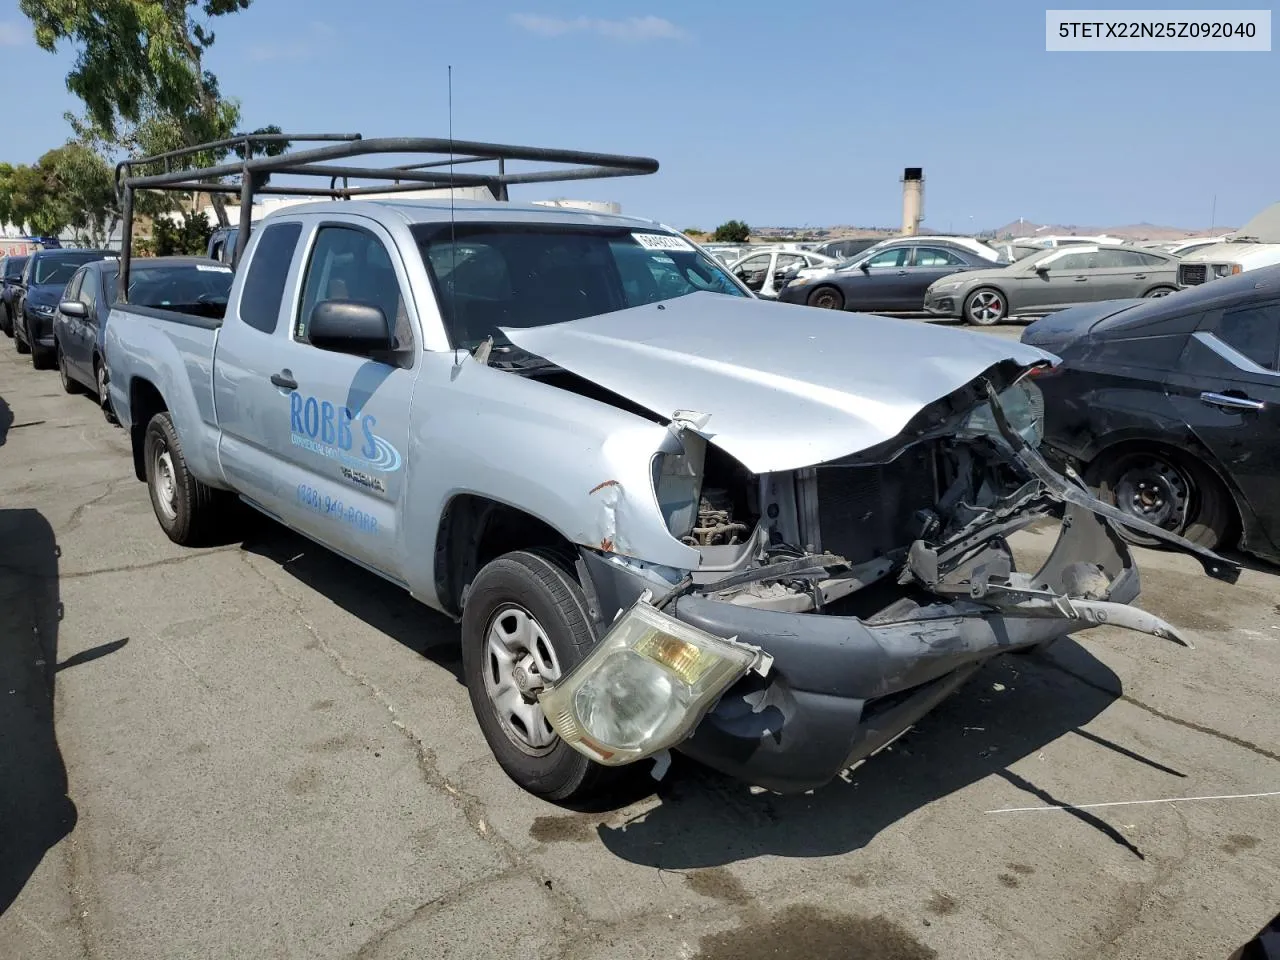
(836, 604)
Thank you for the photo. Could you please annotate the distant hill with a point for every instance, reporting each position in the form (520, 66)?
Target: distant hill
(1024, 228)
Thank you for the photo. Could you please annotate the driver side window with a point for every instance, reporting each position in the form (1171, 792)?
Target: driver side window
(896, 257)
(351, 264)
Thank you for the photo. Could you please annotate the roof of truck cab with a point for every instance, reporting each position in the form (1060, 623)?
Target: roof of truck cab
(440, 211)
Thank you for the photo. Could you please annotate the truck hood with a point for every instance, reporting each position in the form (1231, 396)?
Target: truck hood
(781, 386)
(1239, 251)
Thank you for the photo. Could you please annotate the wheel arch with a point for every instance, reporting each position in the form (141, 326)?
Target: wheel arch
(474, 529)
(1183, 448)
(145, 401)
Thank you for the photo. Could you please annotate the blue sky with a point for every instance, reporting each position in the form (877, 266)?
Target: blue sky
(800, 112)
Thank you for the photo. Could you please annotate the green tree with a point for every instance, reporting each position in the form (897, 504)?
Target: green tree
(732, 231)
(139, 67)
(188, 235)
(84, 185)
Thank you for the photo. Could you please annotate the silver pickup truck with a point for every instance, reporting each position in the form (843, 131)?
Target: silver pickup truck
(667, 514)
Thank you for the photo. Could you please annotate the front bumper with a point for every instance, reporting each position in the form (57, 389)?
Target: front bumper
(41, 327)
(840, 687)
(942, 305)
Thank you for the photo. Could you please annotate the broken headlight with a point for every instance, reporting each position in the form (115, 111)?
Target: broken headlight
(644, 687)
(1023, 406)
(677, 483)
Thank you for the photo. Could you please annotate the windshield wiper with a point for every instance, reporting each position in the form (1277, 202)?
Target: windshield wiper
(510, 357)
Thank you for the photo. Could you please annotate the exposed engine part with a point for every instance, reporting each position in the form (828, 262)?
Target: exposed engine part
(715, 525)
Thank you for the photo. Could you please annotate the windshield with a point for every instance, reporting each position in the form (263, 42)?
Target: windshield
(62, 267)
(530, 275)
(198, 289)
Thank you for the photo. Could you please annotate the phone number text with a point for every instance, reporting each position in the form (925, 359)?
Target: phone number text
(327, 506)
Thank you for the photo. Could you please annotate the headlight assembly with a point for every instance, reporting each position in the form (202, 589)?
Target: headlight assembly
(644, 687)
(1023, 406)
(44, 309)
(1221, 270)
(677, 483)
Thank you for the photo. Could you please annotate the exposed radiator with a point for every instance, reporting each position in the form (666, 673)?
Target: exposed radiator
(862, 512)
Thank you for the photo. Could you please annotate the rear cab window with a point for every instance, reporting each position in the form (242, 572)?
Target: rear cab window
(263, 290)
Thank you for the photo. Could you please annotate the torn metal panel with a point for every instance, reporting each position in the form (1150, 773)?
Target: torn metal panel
(1215, 566)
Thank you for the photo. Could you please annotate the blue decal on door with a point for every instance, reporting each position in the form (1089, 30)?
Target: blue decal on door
(331, 431)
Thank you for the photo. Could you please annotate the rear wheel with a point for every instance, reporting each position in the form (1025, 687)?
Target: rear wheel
(1168, 490)
(524, 626)
(828, 298)
(191, 513)
(985, 306)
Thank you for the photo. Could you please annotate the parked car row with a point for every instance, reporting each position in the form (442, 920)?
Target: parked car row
(56, 304)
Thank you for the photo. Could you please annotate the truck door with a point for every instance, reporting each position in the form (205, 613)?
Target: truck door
(340, 421)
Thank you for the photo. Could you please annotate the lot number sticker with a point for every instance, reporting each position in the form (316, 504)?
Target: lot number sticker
(661, 241)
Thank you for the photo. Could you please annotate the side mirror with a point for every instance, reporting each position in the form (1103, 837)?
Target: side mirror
(1042, 268)
(347, 326)
(864, 266)
(73, 308)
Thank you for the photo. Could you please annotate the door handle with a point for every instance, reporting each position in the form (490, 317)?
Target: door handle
(284, 379)
(1230, 402)
(1082, 279)
(1139, 276)
(902, 273)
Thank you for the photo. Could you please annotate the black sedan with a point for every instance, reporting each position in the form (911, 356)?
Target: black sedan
(890, 279)
(1170, 408)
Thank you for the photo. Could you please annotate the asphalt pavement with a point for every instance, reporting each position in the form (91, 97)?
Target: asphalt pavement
(260, 750)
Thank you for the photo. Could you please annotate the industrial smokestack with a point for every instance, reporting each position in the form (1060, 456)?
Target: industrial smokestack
(912, 200)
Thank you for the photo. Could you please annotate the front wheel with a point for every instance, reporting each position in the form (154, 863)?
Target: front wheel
(190, 512)
(6, 321)
(104, 395)
(827, 298)
(22, 346)
(524, 626)
(69, 384)
(1166, 490)
(985, 306)
(1159, 292)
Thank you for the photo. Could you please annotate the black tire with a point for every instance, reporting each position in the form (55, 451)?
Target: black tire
(540, 585)
(1186, 497)
(69, 384)
(197, 515)
(1161, 291)
(826, 298)
(6, 321)
(104, 395)
(40, 358)
(985, 307)
(19, 344)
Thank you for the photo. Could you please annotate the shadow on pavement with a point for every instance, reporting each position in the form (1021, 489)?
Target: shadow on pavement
(382, 605)
(35, 811)
(6, 420)
(1012, 709)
